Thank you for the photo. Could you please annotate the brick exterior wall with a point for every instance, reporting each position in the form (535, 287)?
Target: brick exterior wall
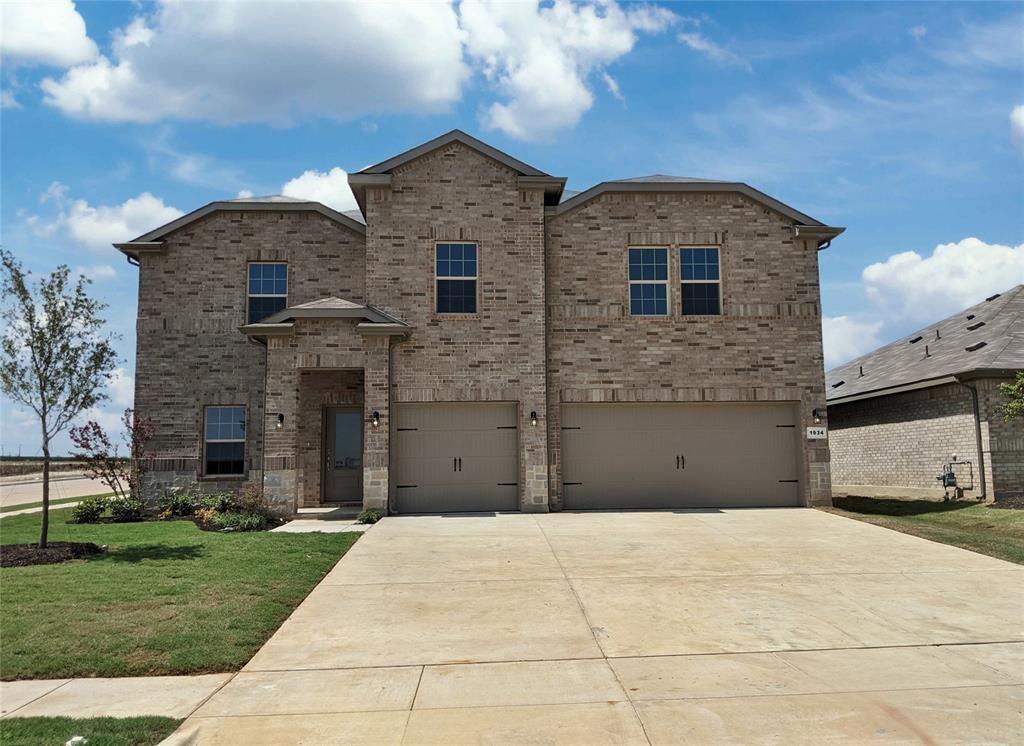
(192, 300)
(900, 442)
(552, 323)
(766, 345)
(497, 354)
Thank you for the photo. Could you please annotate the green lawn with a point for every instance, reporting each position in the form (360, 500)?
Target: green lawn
(141, 731)
(53, 502)
(995, 532)
(166, 599)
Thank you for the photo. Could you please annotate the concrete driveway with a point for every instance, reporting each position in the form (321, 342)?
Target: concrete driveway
(740, 626)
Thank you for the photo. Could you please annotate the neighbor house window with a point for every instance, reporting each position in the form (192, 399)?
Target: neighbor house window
(455, 269)
(225, 441)
(268, 289)
(648, 282)
(700, 282)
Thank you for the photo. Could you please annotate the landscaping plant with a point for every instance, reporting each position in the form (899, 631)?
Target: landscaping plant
(55, 359)
(1013, 407)
(89, 509)
(122, 475)
(368, 516)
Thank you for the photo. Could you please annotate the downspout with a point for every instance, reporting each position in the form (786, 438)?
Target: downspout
(977, 433)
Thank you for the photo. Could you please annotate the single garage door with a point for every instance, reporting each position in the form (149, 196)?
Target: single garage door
(679, 455)
(456, 457)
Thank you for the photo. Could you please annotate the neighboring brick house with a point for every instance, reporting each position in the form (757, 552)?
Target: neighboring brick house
(474, 337)
(900, 415)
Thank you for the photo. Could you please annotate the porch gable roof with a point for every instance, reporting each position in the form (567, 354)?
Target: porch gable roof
(374, 321)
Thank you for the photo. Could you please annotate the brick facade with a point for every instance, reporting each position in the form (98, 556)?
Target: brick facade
(552, 323)
(898, 444)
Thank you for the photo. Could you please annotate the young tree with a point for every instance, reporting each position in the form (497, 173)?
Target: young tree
(122, 474)
(1014, 392)
(54, 359)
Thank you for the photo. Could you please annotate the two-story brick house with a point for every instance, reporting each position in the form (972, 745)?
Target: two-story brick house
(477, 338)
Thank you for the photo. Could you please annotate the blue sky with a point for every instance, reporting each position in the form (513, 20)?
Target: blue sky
(903, 122)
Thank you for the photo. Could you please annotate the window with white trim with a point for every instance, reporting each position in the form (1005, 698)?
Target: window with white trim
(268, 289)
(455, 272)
(700, 282)
(224, 441)
(648, 281)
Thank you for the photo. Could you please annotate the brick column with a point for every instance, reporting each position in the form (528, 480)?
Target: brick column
(376, 381)
(280, 482)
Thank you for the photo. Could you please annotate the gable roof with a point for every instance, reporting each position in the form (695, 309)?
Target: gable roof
(988, 337)
(374, 321)
(665, 183)
(153, 241)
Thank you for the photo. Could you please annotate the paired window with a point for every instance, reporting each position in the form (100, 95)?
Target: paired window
(268, 289)
(455, 270)
(224, 441)
(700, 282)
(648, 282)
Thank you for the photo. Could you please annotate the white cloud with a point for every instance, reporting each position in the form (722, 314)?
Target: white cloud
(245, 194)
(97, 273)
(1017, 127)
(219, 61)
(7, 99)
(330, 188)
(846, 337)
(121, 388)
(613, 86)
(97, 227)
(698, 42)
(955, 275)
(919, 32)
(541, 59)
(44, 33)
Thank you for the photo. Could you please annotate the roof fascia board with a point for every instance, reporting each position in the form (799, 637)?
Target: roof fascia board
(524, 169)
(267, 330)
(697, 186)
(926, 384)
(375, 329)
(133, 250)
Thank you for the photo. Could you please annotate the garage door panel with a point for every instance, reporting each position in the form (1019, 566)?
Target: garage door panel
(729, 454)
(455, 457)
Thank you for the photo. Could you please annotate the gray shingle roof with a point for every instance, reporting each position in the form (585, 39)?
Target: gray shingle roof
(987, 336)
(665, 179)
(271, 198)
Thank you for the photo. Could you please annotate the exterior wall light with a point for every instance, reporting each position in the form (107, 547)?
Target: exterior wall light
(280, 421)
(375, 419)
(817, 414)
(533, 419)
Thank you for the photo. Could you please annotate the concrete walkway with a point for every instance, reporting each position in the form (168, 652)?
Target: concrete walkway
(738, 626)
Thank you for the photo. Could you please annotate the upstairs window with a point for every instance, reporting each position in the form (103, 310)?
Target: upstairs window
(268, 289)
(224, 441)
(648, 282)
(455, 270)
(700, 282)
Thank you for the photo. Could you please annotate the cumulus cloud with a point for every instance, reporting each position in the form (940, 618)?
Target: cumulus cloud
(1017, 127)
(542, 59)
(121, 388)
(847, 337)
(215, 61)
(97, 227)
(330, 188)
(44, 33)
(952, 277)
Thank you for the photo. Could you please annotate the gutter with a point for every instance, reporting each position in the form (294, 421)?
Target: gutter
(977, 433)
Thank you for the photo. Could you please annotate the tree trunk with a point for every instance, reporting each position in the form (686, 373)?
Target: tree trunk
(45, 529)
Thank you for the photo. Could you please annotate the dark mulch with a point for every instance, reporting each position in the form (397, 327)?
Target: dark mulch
(23, 555)
(1009, 503)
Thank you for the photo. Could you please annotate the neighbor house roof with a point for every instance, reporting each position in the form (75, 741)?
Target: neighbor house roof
(153, 241)
(985, 338)
(376, 321)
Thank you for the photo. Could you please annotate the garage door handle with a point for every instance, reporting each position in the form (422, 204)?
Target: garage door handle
(455, 464)
(677, 462)
(460, 463)
(682, 462)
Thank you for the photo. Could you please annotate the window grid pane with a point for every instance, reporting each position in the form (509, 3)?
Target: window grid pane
(455, 260)
(700, 299)
(268, 279)
(225, 441)
(698, 264)
(648, 264)
(225, 423)
(648, 299)
(456, 296)
(648, 286)
(455, 271)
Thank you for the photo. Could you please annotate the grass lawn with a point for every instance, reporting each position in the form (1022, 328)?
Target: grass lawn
(142, 731)
(53, 502)
(167, 598)
(997, 533)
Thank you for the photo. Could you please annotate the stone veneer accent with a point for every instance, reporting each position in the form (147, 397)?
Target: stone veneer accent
(897, 444)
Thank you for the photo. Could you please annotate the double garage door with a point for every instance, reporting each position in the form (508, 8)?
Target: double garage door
(455, 457)
(679, 455)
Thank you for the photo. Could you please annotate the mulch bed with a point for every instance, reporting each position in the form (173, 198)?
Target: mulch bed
(23, 555)
(1009, 503)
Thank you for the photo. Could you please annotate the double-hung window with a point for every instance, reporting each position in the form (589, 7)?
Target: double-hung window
(224, 441)
(700, 282)
(268, 289)
(455, 270)
(648, 281)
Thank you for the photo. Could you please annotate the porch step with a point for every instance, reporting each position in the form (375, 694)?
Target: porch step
(340, 512)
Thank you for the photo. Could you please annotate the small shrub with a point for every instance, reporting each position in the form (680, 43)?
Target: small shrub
(240, 521)
(250, 500)
(177, 503)
(219, 502)
(89, 510)
(126, 509)
(205, 515)
(369, 516)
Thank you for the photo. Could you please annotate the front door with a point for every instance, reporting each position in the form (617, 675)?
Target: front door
(343, 455)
